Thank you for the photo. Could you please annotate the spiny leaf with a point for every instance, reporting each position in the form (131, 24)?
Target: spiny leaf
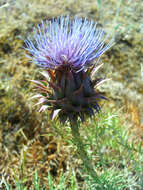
(55, 113)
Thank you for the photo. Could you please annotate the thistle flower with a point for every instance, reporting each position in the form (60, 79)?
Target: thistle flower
(66, 50)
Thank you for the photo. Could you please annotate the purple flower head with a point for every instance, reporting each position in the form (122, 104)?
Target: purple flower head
(64, 42)
(66, 49)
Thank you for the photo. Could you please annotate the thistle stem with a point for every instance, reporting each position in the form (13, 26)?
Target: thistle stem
(82, 153)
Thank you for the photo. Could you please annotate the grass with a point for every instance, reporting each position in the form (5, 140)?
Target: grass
(116, 157)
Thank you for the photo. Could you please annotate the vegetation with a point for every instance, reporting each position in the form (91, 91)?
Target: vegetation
(48, 160)
(38, 154)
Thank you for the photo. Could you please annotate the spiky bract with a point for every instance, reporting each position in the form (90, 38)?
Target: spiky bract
(72, 94)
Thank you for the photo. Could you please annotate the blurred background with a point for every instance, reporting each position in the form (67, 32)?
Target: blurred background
(21, 126)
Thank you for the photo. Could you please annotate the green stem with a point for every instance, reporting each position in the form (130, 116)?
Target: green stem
(82, 153)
